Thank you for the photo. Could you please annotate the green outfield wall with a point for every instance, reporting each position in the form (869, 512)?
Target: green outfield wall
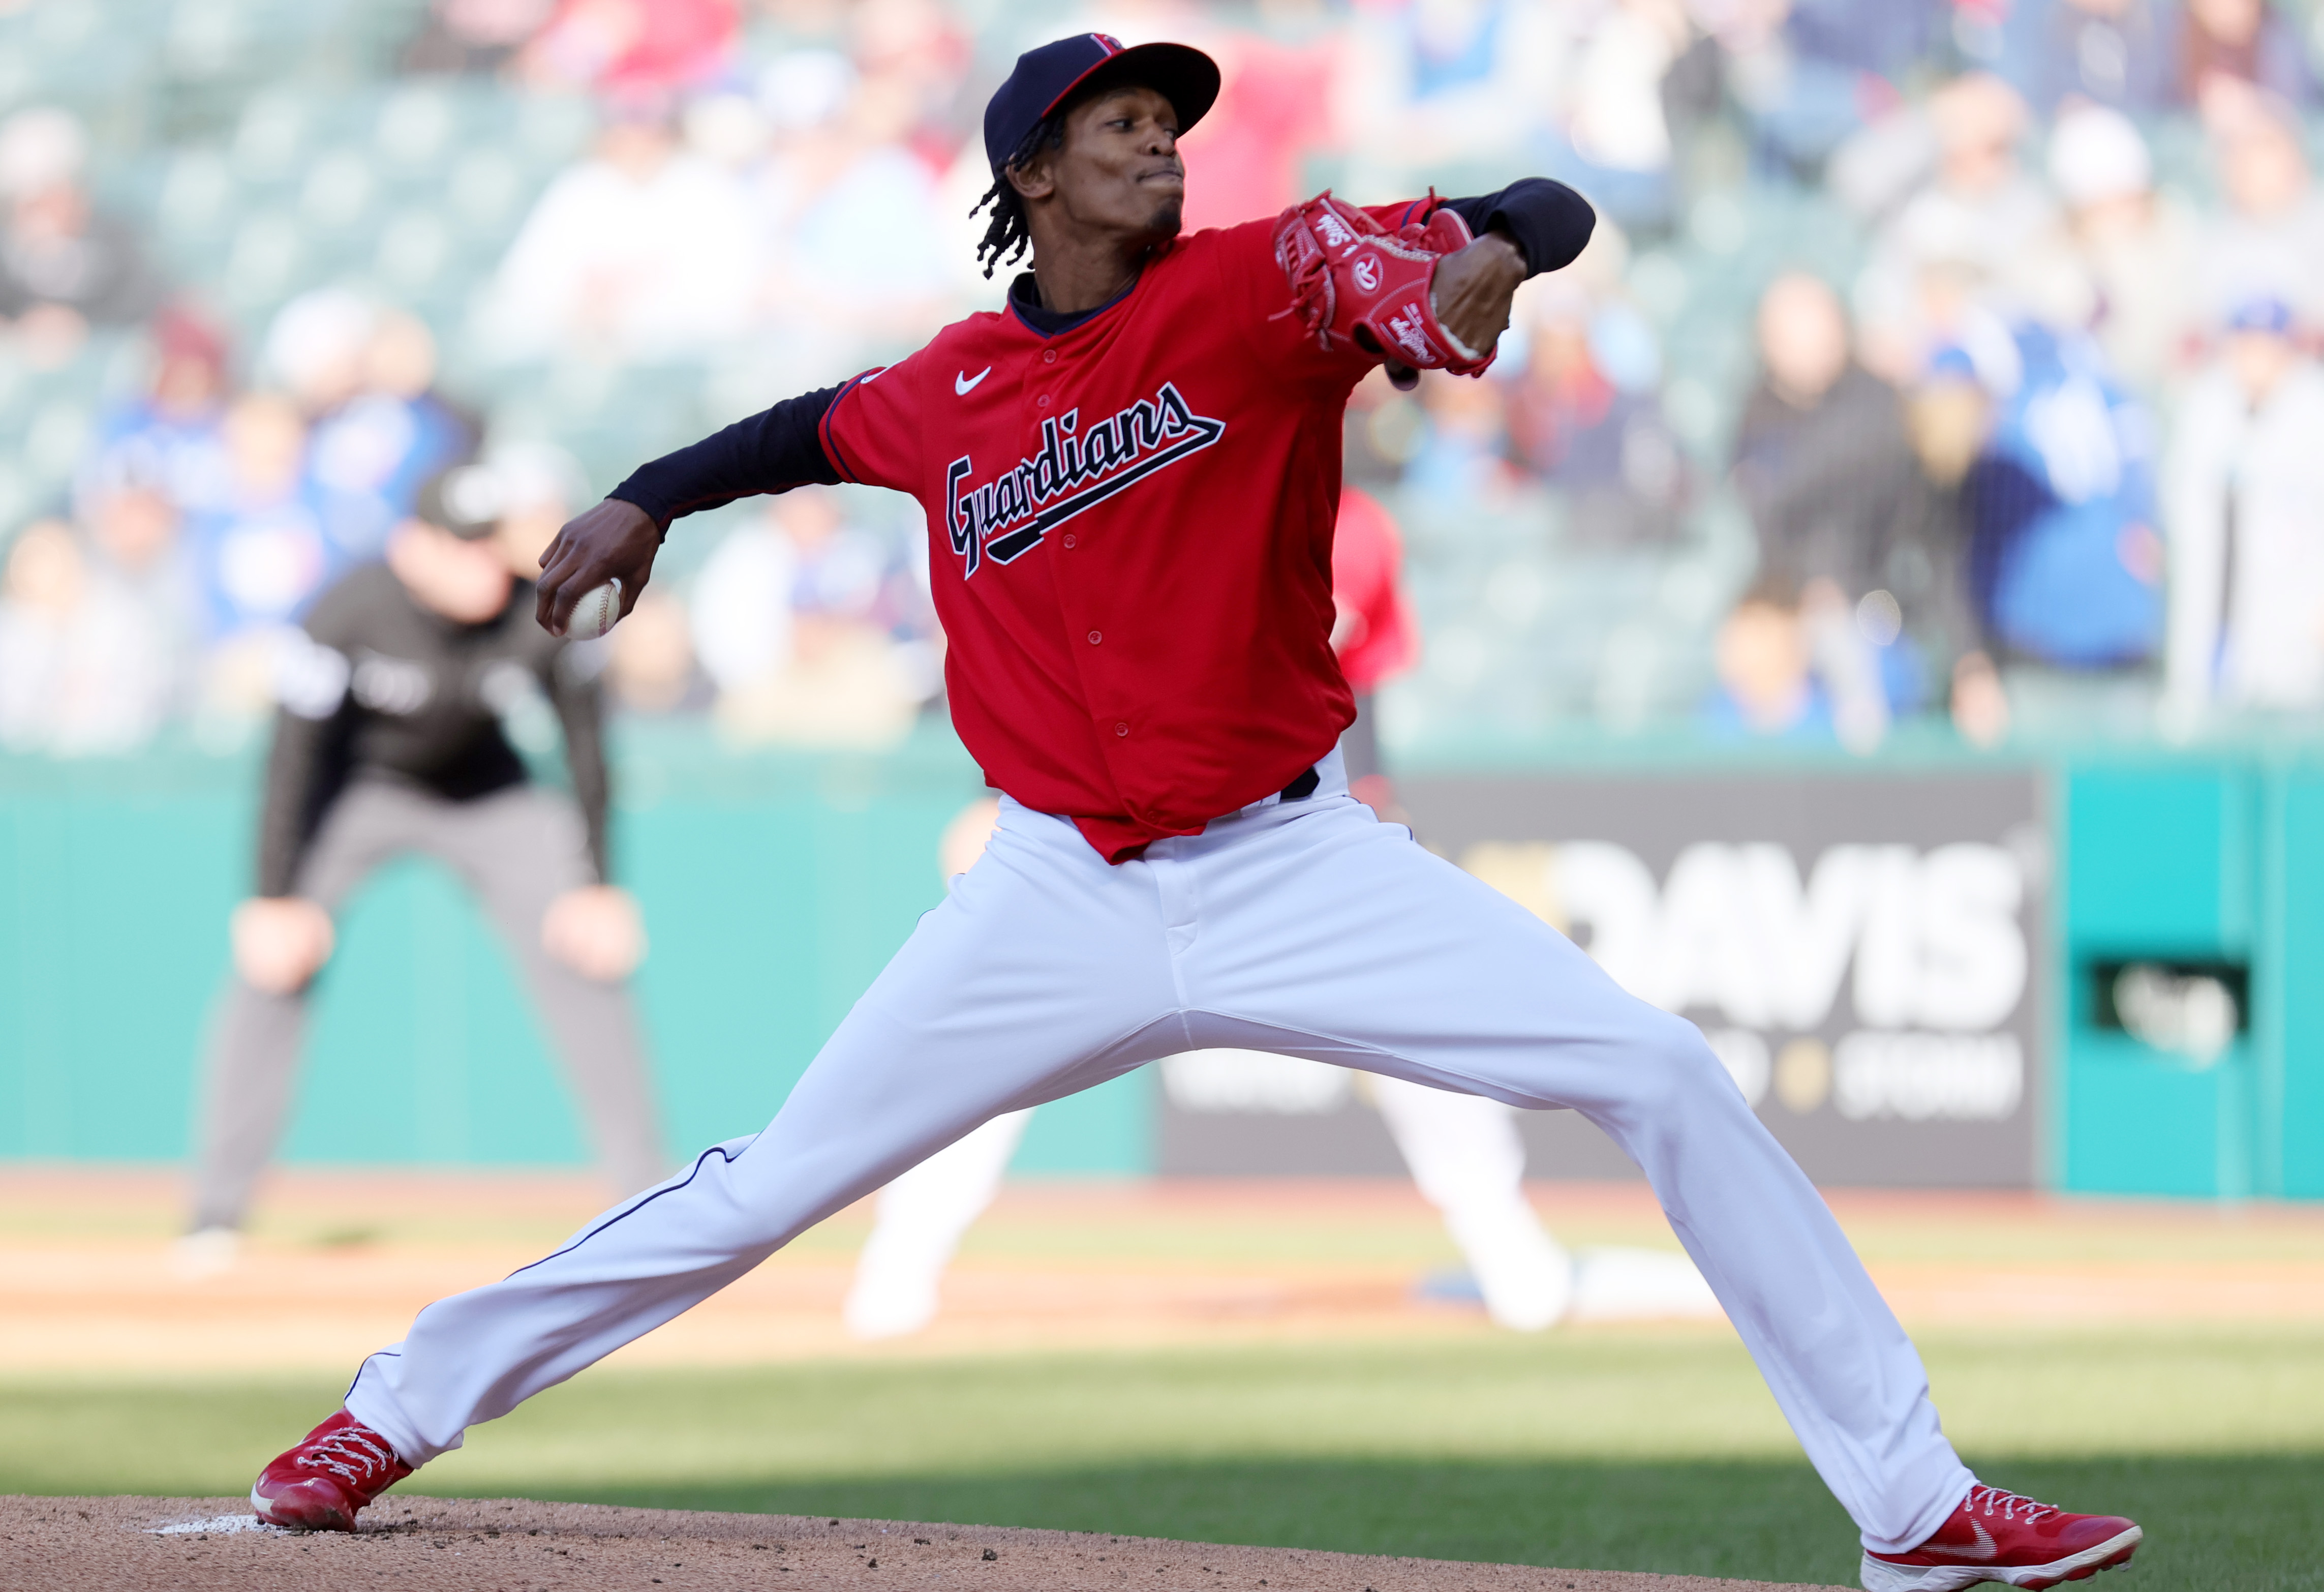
(775, 885)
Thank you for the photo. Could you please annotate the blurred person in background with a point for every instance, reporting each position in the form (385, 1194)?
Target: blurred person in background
(1977, 216)
(643, 250)
(2122, 54)
(924, 49)
(134, 532)
(257, 554)
(475, 36)
(171, 434)
(1806, 77)
(1853, 543)
(64, 266)
(1948, 415)
(2244, 491)
(84, 669)
(404, 415)
(2267, 241)
(804, 98)
(2137, 246)
(2065, 562)
(1461, 457)
(1766, 673)
(813, 630)
(315, 347)
(738, 614)
(1585, 417)
(1375, 634)
(1821, 459)
(1482, 85)
(1798, 102)
(1249, 158)
(1450, 88)
(365, 375)
(402, 716)
(624, 46)
(2242, 41)
(855, 247)
(159, 463)
(1874, 36)
(1611, 134)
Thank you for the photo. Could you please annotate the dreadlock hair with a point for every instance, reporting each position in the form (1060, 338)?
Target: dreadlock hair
(1006, 239)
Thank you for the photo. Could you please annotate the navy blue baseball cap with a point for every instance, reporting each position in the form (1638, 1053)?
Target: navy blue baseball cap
(1047, 77)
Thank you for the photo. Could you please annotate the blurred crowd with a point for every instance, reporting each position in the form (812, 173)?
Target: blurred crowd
(1948, 360)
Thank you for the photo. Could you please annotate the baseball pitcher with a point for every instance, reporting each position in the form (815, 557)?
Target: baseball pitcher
(1130, 473)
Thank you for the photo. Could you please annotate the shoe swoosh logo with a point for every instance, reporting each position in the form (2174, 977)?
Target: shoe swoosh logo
(963, 383)
(1985, 1551)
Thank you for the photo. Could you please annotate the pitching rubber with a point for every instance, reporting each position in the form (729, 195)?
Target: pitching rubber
(597, 612)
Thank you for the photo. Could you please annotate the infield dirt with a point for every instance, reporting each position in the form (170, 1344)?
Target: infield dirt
(419, 1544)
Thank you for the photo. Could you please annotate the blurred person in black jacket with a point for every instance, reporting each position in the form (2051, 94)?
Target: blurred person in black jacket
(400, 722)
(1821, 457)
(1852, 532)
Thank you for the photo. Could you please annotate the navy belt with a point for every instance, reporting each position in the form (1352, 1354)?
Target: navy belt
(1302, 788)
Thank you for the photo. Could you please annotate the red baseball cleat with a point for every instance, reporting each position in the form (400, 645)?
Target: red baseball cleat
(1997, 1536)
(320, 1485)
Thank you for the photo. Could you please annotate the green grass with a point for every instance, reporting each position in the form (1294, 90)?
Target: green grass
(1643, 1450)
(2237, 1523)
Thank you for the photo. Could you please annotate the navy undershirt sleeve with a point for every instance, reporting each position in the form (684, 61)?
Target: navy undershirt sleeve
(1551, 222)
(774, 450)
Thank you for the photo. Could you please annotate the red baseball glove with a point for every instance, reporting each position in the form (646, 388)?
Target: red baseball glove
(1353, 279)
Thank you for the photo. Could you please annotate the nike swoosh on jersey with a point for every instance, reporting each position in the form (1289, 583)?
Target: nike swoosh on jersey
(962, 384)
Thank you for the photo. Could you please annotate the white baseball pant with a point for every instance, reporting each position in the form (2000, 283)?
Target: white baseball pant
(1306, 928)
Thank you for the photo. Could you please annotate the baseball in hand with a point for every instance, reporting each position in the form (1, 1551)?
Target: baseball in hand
(597, 612)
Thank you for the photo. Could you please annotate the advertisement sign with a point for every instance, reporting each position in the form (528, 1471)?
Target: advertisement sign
(1861, 950)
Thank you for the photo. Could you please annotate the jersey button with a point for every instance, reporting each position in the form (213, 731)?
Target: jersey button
(1042, 402)
(1120, 729)
(1097, 636)
(1048, 356)
(1071, 539)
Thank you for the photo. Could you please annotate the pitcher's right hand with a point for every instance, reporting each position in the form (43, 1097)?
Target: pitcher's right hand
(613, 539)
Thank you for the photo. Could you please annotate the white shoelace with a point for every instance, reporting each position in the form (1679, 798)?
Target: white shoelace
(369, 1457)
(1985, 1500)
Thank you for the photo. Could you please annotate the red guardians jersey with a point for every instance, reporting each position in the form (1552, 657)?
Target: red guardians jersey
(1131, 536)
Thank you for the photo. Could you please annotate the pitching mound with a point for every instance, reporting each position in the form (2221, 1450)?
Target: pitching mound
(415, 1544)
